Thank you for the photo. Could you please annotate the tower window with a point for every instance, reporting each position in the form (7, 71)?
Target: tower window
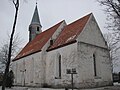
(30, 37)
(37, 28)
(94, 62)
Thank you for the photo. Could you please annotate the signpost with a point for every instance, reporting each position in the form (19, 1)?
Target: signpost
(72, 72)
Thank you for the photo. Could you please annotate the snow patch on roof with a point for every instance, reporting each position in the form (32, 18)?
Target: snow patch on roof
(70, 38)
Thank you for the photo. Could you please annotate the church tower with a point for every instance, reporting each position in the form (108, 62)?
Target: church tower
(35, 26)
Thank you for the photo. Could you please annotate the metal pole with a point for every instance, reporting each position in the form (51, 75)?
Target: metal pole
(71, 71)
(72, 80)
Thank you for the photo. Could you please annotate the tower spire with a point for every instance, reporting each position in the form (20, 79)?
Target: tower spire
(35, 19)
(35, 26)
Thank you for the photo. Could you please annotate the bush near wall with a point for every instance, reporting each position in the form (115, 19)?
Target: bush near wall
(116, 77)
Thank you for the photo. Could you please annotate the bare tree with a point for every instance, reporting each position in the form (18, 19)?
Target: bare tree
(16, 4)
(113, 47)
(4, 49)
(112, 8)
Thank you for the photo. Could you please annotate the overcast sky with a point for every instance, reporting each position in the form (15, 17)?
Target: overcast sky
(50, 11)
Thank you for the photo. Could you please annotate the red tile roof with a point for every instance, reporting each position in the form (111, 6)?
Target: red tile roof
(70, 33)
(36, 44)
(67, 36)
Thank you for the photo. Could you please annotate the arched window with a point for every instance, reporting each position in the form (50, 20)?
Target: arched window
(58, 67)
(94, 62)
(38, 29)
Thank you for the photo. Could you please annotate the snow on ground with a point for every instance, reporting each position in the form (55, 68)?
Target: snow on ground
(115, 87)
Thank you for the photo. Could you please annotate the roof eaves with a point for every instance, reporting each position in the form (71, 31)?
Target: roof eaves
(26, 55)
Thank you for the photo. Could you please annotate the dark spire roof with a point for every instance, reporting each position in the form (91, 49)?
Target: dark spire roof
(35, 19)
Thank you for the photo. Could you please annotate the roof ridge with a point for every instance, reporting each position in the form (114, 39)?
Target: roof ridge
(52, 26)
(80, 18)
(86, 22)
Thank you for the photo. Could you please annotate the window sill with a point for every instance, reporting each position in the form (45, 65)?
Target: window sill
(97, 77)
(57, 77)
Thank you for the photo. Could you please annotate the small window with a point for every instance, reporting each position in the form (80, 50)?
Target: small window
(105, 42)
(38, 29)
(51, 42)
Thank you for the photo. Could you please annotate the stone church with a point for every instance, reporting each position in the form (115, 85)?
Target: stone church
(51, 55)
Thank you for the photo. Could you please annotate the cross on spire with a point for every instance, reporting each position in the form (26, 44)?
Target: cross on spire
(36, 2)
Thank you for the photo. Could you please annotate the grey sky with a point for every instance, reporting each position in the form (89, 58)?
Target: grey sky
(50, 11)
